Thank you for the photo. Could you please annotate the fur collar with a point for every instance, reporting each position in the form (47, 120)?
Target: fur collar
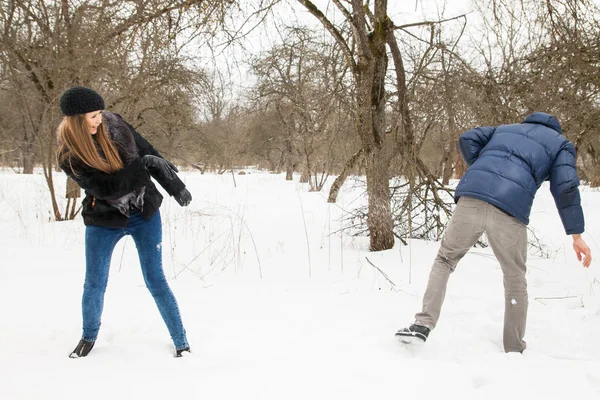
(121, 135)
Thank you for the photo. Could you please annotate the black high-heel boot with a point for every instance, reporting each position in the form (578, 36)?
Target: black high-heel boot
(83, 349)
(178, 353)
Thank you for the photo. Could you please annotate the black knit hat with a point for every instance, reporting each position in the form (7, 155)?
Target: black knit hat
(80, 100)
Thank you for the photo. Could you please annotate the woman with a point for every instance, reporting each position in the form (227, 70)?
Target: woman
(113, 164)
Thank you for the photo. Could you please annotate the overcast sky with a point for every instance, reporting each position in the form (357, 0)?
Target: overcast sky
(232, 61)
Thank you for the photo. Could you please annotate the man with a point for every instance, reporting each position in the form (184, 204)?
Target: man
(506, 166)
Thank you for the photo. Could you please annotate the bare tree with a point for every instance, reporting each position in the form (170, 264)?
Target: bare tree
(47, 47)
(304, 79)
(365, 52)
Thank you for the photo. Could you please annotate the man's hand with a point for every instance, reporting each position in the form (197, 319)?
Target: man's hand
(582, 250)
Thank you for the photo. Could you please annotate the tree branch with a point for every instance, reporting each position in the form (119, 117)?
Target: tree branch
(426, 23)
(361, 24)
(43, 25)
(344, 11)
(309, 5)
(140, 19)
(33, 76)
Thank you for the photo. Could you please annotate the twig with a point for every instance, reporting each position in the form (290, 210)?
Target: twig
(249, 232)
(381, 272)
(428, 23)
(306, 233)
(198, 255)
(8, 151)
(556, 298)
(233, 176)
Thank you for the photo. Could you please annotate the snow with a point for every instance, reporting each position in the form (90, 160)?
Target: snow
(318, 324)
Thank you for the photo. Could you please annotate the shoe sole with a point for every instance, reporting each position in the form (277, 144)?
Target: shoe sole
(410, 339)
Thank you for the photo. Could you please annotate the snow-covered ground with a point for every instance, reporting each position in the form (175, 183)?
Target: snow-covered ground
(318, 324)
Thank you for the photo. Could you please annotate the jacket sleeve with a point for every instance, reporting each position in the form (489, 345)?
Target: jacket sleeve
(144, 147)
(471, 142)
(107, 186)
(564, 186)
(172, 186)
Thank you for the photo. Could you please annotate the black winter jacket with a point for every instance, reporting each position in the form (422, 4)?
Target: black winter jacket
(105, 192)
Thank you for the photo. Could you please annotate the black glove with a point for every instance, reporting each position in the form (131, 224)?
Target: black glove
(173, 167)
(184, 197)
(160, 166)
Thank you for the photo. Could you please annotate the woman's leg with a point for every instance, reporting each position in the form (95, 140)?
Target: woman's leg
(148, 240)
(99, 245)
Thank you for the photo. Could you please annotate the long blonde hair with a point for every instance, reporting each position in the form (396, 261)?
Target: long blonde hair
(74, 140)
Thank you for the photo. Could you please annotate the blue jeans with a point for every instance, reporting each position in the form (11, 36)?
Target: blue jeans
(99, 245)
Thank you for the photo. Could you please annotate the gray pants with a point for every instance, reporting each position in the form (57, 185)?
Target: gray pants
(508, 239)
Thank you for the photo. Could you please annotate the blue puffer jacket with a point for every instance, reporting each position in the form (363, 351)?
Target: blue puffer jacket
(508, 163)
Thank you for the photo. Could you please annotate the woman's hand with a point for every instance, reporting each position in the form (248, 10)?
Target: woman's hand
(159, 165)
(184, 198)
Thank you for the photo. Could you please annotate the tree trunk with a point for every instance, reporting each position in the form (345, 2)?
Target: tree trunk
(57, 215)
(47, 165)
(27, 158)
(304, 177)
(378, 189)
(367, 58)
(371, 124)
(289, 162)
(594, 175)
(339, 181)
(459, 165)
(450, 112)
(73, 189)
(447, 165)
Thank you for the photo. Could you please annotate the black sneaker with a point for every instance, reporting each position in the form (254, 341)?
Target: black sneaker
(408, 335)
(83, 349)
(179, 353)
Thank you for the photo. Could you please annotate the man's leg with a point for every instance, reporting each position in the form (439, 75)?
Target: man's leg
(508, 238)
(463, 231)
